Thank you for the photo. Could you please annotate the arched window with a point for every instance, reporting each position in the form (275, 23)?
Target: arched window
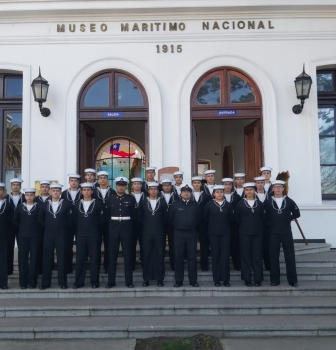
(121, 157)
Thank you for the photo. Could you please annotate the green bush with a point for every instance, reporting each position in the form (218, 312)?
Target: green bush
(178, 344)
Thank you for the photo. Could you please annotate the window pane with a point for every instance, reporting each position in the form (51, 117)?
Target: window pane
(328, 179)
(128, 93)
(14, 125)
(98, 94)
(13, 154)
(13, 87)
(240, 90)
(209, 92)
(327, 150)
(325, 82)
(326, 119)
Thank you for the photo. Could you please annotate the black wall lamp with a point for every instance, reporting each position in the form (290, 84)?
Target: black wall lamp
(303, 83)
(40, 88)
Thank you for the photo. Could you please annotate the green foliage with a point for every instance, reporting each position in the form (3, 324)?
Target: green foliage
(177, 344)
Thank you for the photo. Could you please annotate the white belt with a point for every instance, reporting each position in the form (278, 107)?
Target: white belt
(120, 218)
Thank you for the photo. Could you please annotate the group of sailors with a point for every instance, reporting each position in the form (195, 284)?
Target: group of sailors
(247, 221)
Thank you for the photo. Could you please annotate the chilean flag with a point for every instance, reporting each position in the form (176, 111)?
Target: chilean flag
(114, 149)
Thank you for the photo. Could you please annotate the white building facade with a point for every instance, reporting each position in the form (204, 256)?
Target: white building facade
(153, 60)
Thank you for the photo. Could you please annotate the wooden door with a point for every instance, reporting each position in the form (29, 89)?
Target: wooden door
(86, 148)
(194, 153)
(252, 147)
(227, 162)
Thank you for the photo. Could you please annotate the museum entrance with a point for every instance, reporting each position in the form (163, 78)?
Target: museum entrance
(226, 124)
(113, 125)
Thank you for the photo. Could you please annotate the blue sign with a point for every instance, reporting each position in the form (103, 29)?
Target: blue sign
(226, 112)
(113, 114)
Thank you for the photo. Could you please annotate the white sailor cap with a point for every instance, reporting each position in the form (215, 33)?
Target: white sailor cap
(167, 181)
(86, 185)
(227, 179)
(123, 181)
(59, 186)
(136, 179)
(239, 175)
(153, 184)
(196, 178)
(266, 168)
(186, 187)
(29, 190)
(74, 176)
(210, 171)
(178, 173)
(102, 173)
(16, 180)
(150, 168)
(278, 182)
(218, 187)
(2, 185)
(249, 184)
(259, 178)
(45, 182)
(89, 170)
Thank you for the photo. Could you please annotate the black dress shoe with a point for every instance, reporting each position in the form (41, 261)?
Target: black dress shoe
(95, 286)
(204, 269)
(273, 284)
(76, 286)
(194, 284)
(4, 287)
(160, 284)
(43, 287)
(64, 286)
(257, 284)
(178, 285)
(110, 285)
(217, 284)
(130, 285)
(293, 284)
(24, 287)
(32, 286)
(227, 284)
(248, 284)
(145, 283)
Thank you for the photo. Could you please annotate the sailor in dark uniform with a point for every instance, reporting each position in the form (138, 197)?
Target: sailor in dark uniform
(102, 193)
(41, 198)
(218, 214)
(170, 197)
(150, 177)
(178, 178)
(6, 216)
(185, 215)
(249, 214)
(56, 215)
(137, 226)
(120, 209)
(233, 198)
(14, 199)
(266, 172)
(263, 196)
(280, 211)
(72, 195)
(209, 176)
(153, 215)
(90, 176)
(239, 182)
(29, 237)
(89, 214)
(201, 198)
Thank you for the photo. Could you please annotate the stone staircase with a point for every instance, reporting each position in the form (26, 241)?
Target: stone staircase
(120, 312)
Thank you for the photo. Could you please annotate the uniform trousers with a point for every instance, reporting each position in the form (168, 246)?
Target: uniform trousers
(87, 246)
(153, 257)
(204, 244)
(105, 240)
(3, 260)
(72, 230)
(220, 256)
(51, 243)
(266, 250)
(125, 240)
(169, 232)
(137, 237)
(235, 247)
(12, 233)
(28, 260)
(251, 257)
(288, 248)
(185, 243)
(40, 254)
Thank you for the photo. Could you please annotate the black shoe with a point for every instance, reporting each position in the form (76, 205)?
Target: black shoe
(43, 287)
(4, 287)
(106, 271)
(227, 284)
(273, 284)
(178, 285)
(257, 284)
(24, 287)
(204, 269)
(293, 284)
(64, 286)
(145, 283)
(130, 285)
(76, 286)
(160, 284)
(95, 286)
(248, 284)
(194, 284)
(217, 284)
(32, 286)
(110, 285)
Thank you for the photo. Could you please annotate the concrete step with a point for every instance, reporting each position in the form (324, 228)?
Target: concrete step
(206, 289)
(149, 326)
(167, 306)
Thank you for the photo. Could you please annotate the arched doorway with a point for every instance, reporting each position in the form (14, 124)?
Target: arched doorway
(112, 103)
(226, 111)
